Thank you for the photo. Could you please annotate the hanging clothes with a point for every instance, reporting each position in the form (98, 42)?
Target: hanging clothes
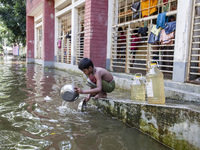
(145, 5)
(59, 43)
(170, 27)
(166, 39)
(153, 38)
(143, 32)
(155, 31)
(161, 19)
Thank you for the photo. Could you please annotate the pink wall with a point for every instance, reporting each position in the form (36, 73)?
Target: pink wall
(31, 4)
(95, 44)
(30, 36)
(48, 30)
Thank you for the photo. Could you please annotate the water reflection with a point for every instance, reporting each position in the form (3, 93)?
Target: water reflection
(33, 116)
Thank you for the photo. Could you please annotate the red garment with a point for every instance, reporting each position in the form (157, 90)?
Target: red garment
(122, 38)
(59, 43)
(165, 2)
(92, 78)
(136, 39)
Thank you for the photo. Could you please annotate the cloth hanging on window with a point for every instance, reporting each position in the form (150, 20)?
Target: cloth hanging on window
(166, 38)
(153, 38)
(145, 5)
(143, 31)
(135, 7)
(155, 31)
(170, 27)
(161, 19)
(59, 43)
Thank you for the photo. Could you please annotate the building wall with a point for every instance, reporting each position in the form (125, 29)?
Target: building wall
(98, 31)
(31, 5)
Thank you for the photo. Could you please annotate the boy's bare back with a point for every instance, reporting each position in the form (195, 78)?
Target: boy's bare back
(103, 73)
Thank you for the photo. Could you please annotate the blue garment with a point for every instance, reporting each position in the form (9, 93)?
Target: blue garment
(161, 19)
(143, 31)
(153, 38)
(170, 27)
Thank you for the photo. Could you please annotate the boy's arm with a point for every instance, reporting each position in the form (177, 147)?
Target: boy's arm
(96, 90)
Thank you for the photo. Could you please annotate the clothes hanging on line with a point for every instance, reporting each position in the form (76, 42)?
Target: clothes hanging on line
(161, 19)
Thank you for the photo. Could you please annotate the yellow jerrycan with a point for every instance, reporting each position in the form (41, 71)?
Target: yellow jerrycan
(138, 88)
(155, 85)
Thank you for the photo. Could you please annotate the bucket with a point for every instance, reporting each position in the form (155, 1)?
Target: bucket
(82, 106)
(67, 93)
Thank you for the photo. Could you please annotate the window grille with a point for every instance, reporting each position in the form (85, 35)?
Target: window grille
(131, 52)
(64, 34)
(39, 43)
(194, 59)
(80, 34)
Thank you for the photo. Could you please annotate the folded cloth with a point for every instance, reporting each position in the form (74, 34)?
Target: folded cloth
(155, 31)
(170, 27)
(161, 19)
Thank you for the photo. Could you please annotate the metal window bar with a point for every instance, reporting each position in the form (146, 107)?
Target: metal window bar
(80, 35)
(193, 75)
(131, 56)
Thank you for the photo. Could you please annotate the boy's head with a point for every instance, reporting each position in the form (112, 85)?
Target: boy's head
(85, 63)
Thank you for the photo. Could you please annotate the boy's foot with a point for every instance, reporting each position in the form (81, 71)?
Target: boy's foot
(101, 95)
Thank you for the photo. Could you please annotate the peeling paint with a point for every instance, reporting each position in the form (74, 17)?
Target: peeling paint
(52, 16)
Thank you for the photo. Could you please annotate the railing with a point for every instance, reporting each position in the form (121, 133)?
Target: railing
(194, 55)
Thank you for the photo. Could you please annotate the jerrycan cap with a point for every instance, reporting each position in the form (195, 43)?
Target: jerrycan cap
(138, 76)
(153, 64)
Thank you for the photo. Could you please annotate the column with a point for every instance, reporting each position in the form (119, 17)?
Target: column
(30, 39)
(48, 33)
(182, 42)
(96, 23)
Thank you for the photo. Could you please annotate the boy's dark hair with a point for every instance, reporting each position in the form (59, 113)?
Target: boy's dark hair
(85, 63)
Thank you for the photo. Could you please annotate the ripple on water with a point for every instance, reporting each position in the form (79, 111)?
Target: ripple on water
(3, 96)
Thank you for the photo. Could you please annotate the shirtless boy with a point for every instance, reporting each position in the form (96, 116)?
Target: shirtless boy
(99, 79)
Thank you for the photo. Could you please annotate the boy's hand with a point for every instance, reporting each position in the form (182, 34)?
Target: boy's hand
(78, 90)
(86, 99)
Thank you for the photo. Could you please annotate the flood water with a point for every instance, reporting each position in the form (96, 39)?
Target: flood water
(34, 117)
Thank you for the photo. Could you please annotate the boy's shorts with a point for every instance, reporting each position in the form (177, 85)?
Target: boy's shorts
(106, 87)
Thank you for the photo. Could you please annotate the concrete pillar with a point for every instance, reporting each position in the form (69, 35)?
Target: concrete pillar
(74, 34)
(30, 39)
(48, 33)
(182, 42)
(109, 32)
(56, 39)
(96, 23)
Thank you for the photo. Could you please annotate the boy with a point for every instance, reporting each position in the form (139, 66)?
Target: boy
(99, 79)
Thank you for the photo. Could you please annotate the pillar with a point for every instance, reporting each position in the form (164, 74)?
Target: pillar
(96, 23)
(182, 42)
(48, 33)
(30, 39)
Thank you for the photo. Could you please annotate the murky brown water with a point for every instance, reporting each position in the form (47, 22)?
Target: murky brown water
(34, 117)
